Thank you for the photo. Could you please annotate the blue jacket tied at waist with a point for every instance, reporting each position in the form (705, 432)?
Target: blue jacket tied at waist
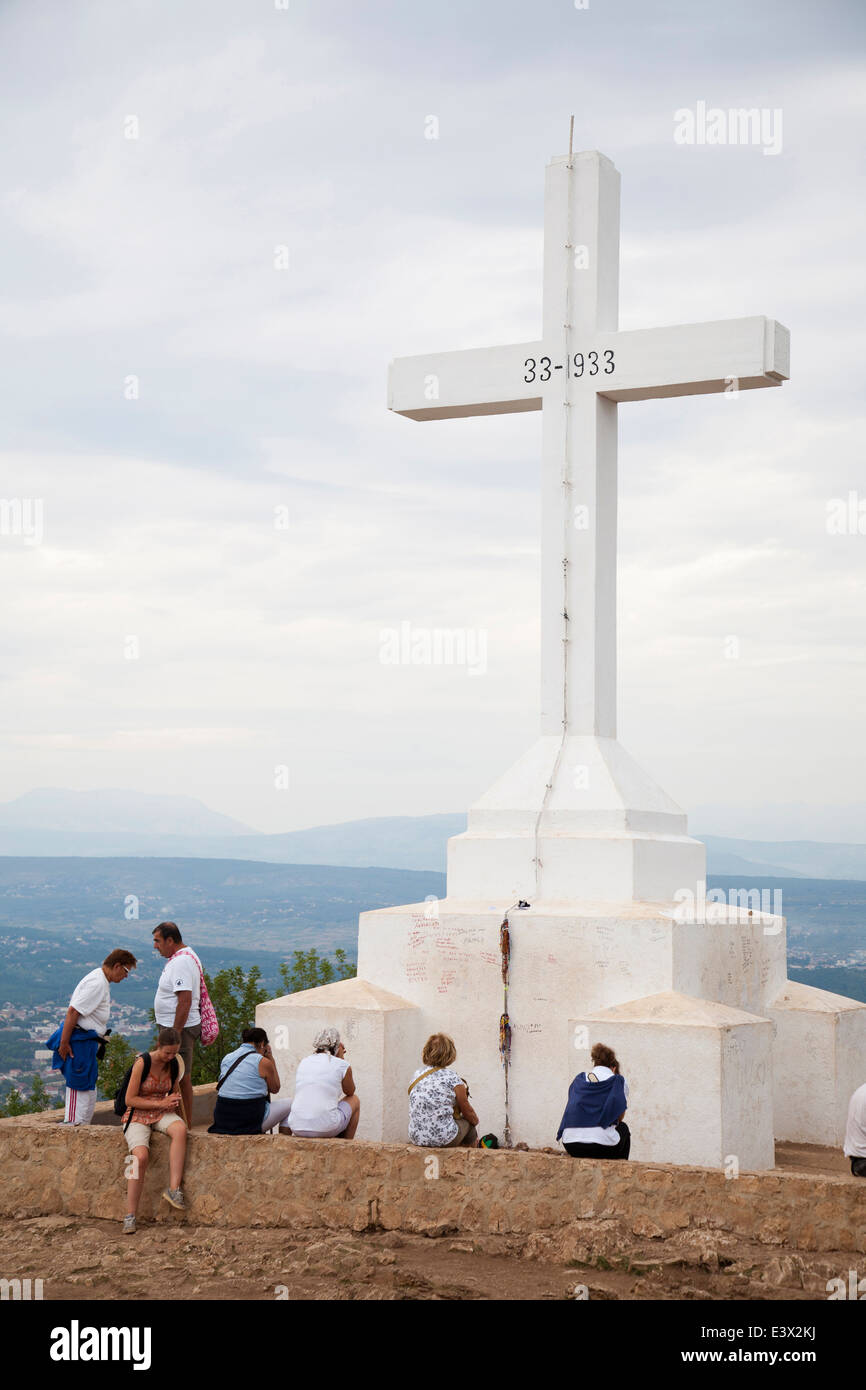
(79, 1071)
(593, 1104)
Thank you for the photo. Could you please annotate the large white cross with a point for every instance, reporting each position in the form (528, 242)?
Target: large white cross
(576, 374)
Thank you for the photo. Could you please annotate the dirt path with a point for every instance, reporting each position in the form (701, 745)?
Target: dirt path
(85, 1259)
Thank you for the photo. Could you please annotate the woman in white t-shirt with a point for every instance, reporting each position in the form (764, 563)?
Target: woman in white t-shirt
(440, 1115)
(325, 1104)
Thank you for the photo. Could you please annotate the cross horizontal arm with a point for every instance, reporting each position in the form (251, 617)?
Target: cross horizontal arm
(478, 381)
(694, 359)
(642, 364)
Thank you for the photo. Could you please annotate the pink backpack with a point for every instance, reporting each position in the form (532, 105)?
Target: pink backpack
(210, 1025)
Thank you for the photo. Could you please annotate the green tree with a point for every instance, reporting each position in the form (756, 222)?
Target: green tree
(308, 970)
(39, 1097)
(119, 1057)
(38, 1100)
(234, 995)
(15, 1104)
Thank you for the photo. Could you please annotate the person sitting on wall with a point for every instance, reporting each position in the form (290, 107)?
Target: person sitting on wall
(440, 1113)
(153, 1101)
(325, 1104)
(593, 1123)
(248, 1076)
(855, 1133)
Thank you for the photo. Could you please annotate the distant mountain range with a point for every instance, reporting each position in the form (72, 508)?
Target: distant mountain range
(784, 858)
(97, 824)
(841, 823)
(112, 811)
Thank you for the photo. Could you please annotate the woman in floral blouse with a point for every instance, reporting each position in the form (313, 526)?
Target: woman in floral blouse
(440, 1115)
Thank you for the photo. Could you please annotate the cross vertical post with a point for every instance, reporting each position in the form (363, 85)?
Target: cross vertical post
(579, 449)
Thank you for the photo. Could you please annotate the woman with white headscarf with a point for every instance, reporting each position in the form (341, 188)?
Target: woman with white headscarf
(325, 1104)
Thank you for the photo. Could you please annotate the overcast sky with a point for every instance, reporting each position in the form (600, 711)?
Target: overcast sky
(148, 264)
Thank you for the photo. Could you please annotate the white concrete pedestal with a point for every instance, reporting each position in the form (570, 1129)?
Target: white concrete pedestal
(575, 820)
(820, 1060)
(700, 1013)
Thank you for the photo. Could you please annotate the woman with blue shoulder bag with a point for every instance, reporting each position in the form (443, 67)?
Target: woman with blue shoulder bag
(248, 1078)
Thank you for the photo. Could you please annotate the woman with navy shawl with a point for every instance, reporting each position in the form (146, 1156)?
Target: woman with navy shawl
(593, 1123)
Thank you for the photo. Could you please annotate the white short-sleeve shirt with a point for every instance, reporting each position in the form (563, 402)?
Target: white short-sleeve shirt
(318, 1088)
(180, 972)
(92, 998)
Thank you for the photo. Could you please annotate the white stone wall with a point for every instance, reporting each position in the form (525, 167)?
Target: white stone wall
(699, 1075)
(733, 958)
(820, 1060)
(562, 966)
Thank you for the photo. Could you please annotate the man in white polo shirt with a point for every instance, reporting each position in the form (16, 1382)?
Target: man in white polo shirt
(88, 1011)
(178, 996)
